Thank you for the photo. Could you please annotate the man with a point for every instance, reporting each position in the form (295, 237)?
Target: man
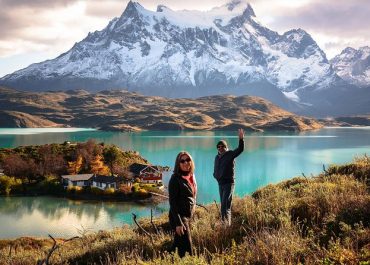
(224, 174)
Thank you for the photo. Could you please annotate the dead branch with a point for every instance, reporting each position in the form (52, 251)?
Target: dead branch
(53, 248)
(140, 227)
(158, 194)
(151, 221)
(304, 176)
(202, 206)
(82, 231)
(326, 172)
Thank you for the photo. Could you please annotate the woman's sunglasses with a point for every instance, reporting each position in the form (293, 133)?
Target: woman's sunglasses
(220, 146)
(185, 160)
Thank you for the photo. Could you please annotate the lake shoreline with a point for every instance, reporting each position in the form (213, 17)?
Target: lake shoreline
(267, 159)
(271, 226)
(148, 200)
(69, 129)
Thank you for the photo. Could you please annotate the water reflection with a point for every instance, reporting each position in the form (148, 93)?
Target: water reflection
(63, 217)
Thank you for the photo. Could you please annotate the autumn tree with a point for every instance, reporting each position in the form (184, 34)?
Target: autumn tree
(97, 166)
(88, 151)
(114, 159)
(51, 162)
(16, 166)
(74, 167)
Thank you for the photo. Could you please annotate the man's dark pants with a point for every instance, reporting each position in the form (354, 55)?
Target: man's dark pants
(226, 196)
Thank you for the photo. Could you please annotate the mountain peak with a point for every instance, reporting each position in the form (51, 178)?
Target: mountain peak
(299, 35)
(365, 49)
(348, 50)
(132, 8)
(361, 52)
(353, 65)
(242, 4)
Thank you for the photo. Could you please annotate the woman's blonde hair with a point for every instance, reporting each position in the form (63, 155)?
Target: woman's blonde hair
(177, 170)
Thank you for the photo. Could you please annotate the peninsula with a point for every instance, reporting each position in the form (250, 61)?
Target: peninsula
(90, 170)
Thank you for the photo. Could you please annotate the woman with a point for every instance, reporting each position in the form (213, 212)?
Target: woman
(182, 190)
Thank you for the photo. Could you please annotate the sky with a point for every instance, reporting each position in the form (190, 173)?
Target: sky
(36, 30)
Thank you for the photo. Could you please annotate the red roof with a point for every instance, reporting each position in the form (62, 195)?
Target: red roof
(152, 178)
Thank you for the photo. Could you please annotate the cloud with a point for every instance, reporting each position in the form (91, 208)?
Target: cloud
(110, 8)
(35, 27)
(341, 16)
(5, 4)
(18, 16)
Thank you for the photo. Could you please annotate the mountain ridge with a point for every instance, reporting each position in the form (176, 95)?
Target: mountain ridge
(353, 65)
(197, 53)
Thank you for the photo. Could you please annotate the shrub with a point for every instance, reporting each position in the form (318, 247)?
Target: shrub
(50, 185)
(96, 191)
(74, 189)
(135, 187)
(9, 184)
(109, 191)
(125, 189)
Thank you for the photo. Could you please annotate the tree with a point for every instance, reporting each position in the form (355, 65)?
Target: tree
(16, 166)
(113, 158)
(74, 167)
(51, 162)
(87, 151)
(97, 166)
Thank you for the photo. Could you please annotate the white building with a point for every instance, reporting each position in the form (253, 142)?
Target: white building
(80, 180)
(104, 182)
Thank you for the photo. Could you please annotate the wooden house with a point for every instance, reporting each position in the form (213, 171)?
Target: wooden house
(147, 173)
(80, 180)
(104, 182)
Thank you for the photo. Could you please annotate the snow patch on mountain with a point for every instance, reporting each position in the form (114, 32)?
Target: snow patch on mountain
(353, 65)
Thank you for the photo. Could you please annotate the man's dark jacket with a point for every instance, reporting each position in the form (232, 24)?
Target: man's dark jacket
(182, 200)
(224, 164)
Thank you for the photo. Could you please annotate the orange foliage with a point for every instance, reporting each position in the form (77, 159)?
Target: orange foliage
(125, 189)
(97, 166)
(75, 166)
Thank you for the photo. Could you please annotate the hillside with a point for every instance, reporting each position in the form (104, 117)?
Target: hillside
(351, 121)
(319, 220)
(120, 110)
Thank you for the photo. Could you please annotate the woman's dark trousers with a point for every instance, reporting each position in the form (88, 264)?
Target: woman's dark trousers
(226, 196)
(183, 243)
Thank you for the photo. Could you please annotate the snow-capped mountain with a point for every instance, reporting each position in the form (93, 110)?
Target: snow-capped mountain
(353, 65)
(190, 54)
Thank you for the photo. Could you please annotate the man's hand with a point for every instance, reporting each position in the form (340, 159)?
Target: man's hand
(241, 133)
(180, 230)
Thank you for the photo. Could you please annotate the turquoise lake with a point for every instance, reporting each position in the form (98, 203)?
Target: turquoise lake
(268, 158)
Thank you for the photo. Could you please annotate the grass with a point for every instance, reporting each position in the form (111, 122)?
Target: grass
(320, 220)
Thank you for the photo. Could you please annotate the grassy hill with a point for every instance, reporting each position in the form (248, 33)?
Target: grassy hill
(121, 110)
(323, 219)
